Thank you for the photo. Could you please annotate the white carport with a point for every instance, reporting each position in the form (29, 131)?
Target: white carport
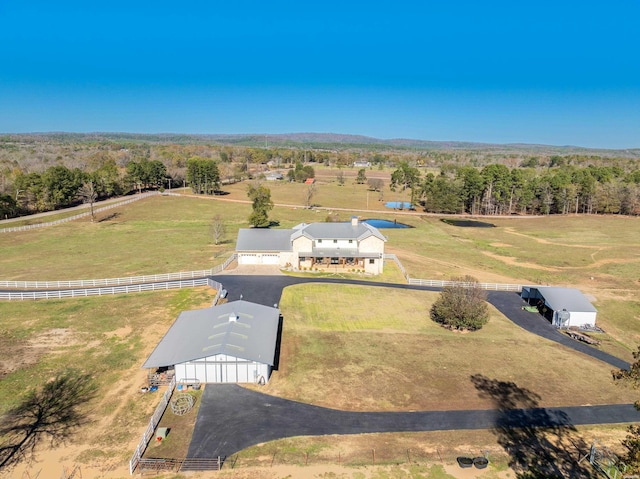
(564, 307)
(231, 343)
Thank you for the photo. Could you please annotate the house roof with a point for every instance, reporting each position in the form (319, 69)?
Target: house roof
(262, 239)
(317, 231)
(207, 332)
(570, 299)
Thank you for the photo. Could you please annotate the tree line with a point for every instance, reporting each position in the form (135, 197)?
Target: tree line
(498, 190)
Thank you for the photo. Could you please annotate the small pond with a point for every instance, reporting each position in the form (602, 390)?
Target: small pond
(398, 205)
(467, 223)
(381, 224)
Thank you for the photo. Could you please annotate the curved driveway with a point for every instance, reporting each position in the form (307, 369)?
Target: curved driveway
(267, 290)
(232, 418)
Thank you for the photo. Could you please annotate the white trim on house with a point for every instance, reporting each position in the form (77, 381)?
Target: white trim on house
(352, 245)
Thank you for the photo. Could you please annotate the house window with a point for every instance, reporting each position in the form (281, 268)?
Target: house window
(350, 241)
(372, 261)
(335, 241)
(302, 258)
(335, 261)
(319, 241)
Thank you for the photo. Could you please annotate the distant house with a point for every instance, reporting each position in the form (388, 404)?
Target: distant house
(231, 343)
(328, 246)
(361, 164)
(309, 181)
(275, 176)
(563, 307)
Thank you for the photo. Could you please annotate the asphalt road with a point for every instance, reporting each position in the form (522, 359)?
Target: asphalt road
(267, 290)
(232, 418)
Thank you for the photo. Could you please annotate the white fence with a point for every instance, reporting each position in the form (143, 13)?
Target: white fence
(395, 259)
(148, 433)
(103, 284)
(75, 293)
(487, 286)
(78, 216)
(441, 284)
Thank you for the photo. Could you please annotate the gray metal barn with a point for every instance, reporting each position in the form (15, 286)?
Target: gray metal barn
(231, 343)
(564, 307)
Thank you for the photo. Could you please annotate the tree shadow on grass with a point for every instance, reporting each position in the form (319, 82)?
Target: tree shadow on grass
(53, 412)
(541, 443)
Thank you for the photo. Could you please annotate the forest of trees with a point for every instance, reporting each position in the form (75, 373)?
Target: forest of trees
(498, 190)
(45, 172)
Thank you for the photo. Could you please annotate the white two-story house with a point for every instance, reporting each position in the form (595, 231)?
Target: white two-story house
(316, 246)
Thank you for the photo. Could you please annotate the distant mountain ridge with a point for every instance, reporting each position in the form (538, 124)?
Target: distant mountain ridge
(325, 140)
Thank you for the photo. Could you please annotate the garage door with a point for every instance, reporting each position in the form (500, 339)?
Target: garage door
(247, 258)
(270, 259)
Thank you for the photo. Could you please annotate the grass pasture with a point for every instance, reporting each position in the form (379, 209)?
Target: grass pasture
(343, 347)
(390, 356)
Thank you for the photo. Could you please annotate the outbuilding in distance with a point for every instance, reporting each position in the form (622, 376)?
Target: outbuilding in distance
(231, 343)
(563, 307)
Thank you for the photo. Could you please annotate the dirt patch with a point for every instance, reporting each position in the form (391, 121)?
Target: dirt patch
(17, 355)
(119, 333)
(515, 262)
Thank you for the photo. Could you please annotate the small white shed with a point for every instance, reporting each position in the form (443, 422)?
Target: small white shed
(232, 343)
(564, 307)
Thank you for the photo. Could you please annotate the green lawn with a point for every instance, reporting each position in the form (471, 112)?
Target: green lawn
(344, 347)
(388, 355)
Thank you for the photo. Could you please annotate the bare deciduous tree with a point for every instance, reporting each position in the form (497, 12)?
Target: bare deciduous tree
(218, 229)
(89, 195)
(309, 193)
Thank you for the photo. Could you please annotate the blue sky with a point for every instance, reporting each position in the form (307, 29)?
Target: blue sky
(559, 73)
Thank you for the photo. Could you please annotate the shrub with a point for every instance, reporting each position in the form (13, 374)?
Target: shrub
(461, 306)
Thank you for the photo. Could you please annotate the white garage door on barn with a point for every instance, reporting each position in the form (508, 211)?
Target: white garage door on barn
(222, 369)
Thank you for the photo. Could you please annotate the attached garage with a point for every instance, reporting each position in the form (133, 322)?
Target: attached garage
(231, 343)
(248, 258)
(261, 246)
(563, 307)
(270, 258)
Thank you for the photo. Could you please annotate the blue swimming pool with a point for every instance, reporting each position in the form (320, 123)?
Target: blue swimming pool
(398, 205)
(385, 224)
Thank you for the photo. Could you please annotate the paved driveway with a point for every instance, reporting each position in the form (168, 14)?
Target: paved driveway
(232, 418)
(267, 290)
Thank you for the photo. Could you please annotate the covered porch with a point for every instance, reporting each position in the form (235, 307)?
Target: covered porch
(336, 260)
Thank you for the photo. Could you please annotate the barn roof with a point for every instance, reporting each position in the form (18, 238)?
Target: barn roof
(570, 299)
(207, 332)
